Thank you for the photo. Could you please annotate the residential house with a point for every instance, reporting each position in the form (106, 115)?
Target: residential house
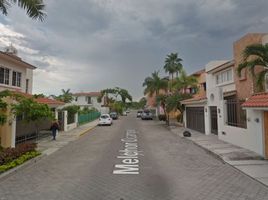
(232, 109)
(17, 75)
(194, 115)
(88, 100)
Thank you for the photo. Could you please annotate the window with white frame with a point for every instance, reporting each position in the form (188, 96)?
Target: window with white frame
(4, 75)
(266, 82)
(224, 77)
(89, 100)
(16, 79)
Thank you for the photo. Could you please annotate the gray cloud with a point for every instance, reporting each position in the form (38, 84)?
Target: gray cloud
(93, 44)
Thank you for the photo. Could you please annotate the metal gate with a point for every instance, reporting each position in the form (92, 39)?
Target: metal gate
(214, 120)
(195, 118)
(61, 120)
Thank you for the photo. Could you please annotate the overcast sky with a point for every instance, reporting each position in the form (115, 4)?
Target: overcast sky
(88, 45)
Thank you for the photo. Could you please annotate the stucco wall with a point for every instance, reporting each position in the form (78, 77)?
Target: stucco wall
(250, 138)
(81, 101)
(24, 73)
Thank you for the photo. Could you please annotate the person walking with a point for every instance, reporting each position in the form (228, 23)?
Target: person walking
(54, 128)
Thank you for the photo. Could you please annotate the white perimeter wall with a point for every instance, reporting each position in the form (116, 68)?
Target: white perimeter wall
(250, 138)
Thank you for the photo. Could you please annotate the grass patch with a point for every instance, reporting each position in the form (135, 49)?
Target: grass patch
(18, 161)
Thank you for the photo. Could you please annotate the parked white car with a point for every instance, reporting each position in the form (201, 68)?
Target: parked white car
(105, 119)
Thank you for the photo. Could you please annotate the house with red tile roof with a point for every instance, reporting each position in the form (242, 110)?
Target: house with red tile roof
(16, 75)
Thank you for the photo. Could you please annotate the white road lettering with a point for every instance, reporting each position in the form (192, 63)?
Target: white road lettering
(129, 155)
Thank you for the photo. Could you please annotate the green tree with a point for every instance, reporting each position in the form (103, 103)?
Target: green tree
(255, 55)
(34, 8)
(3, 106)
(154, 84)
(32, 111)
(173, 65)
(39, 96)
(182, 82)
(66, 96)
(124, 94)
(142, 102)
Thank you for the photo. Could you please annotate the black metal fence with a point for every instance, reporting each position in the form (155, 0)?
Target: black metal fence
(235, 115)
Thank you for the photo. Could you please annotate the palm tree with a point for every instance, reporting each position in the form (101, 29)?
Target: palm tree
(182, 82)
(154, 84)
(255, 55)
(34, 8)
(66, 96)
(173, 65)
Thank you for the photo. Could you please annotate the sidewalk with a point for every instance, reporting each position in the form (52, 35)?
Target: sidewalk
(242, 159)
(47, 146)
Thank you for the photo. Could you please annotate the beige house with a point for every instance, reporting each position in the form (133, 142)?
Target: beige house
(15, 74)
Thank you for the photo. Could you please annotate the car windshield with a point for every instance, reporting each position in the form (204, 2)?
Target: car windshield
(104, 116)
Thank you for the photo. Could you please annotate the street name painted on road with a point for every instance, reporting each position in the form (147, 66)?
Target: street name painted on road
(129, 155)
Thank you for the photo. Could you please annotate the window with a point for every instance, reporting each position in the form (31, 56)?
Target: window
(224, 77)
(27, 86)
(266, 82)
(4, 75)
(89, 100)
(204, 86)
(235, 116)
(16, 79)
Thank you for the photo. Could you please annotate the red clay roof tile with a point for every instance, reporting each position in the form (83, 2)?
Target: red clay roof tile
(257, 100)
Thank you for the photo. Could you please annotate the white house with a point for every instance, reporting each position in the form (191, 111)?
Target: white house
(15, 74)
(87, 99)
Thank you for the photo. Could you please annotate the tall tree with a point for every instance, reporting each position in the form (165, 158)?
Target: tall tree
(255, 55)
(173, 65)
(154, 84)
(34, 8)
(66, 96)
(182, 82)
(124, 94)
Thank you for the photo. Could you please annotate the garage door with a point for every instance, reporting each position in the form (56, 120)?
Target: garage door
(195, 118)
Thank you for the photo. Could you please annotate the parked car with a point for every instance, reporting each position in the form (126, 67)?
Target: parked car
(105, 119)
(139, 113)
(114, 115)
(147, 114)
(124, 113)
(128, 111)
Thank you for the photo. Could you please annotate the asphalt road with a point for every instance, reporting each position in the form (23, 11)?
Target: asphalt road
(159, 166)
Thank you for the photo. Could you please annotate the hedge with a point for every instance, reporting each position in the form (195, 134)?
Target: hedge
(19, 161)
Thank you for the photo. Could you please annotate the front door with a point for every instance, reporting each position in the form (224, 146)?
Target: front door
(266, 133)
(214, 120)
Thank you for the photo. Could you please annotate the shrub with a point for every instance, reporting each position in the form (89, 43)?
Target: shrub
(9, 154)
(23, 158)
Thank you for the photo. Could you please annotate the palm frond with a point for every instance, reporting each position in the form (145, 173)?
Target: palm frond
(34, 8)
(4, 5)
(261, 79)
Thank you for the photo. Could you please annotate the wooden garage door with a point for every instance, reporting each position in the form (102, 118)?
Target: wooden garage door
(195, 118)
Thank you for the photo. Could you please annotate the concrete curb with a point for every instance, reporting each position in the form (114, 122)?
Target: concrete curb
(86, 130)
(10, 172)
